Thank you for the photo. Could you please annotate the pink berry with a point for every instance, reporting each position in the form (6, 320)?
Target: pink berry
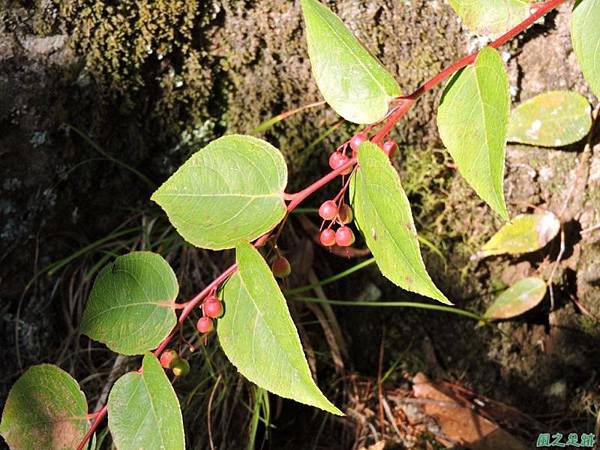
(167, 358)
(281, 267)
(337, 160)
(327, 237)
(344, 237)
(212, 307)
(204, 325)
(356, 140)
(389, 147)
(345, 213)
(328, 210)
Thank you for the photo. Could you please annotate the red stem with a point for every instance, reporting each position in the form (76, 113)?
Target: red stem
(406, 102)
(100, 414)
(295, 199)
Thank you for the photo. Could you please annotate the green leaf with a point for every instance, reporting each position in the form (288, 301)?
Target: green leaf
(524, 295)
(383, 214)
(228, 192)
(552, 119)
(473, 120)
(45, 409)
(352, 81)
(143, 410)
(525, 233)
(130, 308)
(491, 17)
(259, 337)
(585, 35)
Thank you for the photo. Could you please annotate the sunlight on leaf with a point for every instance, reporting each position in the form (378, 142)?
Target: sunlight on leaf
(384, 216)
(473, 120)
(352, 81)
(491, 17)
(45, 409)
(259, 337)
(228, 192)
(551, 119)
(585, 35)
(144, 412)
(130, 308)
(525, 233)
(524, 295)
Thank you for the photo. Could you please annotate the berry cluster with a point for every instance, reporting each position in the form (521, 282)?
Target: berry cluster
(171, 360)
(342, 215)
(212, 309)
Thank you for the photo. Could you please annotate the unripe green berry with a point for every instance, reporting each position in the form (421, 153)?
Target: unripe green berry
(180, 367)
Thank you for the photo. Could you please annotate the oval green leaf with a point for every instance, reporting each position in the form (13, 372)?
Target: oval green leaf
(259, 337)
(552, 119)
(228, 192)
(353, 82)
(473, 120)
(130, 308)
(525, 233)
(143, 410)
(491, 17)
(45, 409)
(585, 35)
(524, 295)
(383, 214)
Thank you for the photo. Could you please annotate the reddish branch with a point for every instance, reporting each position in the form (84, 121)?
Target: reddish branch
(404, 104)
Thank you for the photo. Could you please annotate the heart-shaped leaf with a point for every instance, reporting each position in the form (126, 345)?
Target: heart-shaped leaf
(522, 296)
(352, 81)
(491, 17)
(585, 35)
(228, 192)
(143, 410)
(45, 409)
(525, 233)
(259, 337)
(552, 119)
(130, 308)
(473, 120)
(383, 214)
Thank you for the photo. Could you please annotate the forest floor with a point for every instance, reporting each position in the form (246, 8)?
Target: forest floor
(99, 103)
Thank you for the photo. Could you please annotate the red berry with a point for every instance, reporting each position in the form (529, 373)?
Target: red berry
(346, 214)
(212, 307)
(356, 140)
(281, 267)
(344, 237)
(328, 210)
(180, 367)
(337, 160)
(327, 237)
(167, 358)
(389, 147)
(204, 325)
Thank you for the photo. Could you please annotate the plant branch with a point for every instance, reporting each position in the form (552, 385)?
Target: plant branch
(99, 418)
(405, 103)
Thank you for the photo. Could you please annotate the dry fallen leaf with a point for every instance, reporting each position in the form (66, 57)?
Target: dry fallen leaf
(462, 424)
